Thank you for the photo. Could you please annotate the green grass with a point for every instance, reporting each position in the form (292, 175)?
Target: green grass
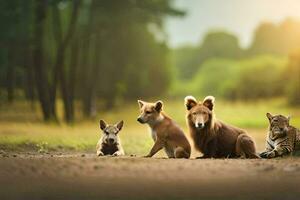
(22, 129)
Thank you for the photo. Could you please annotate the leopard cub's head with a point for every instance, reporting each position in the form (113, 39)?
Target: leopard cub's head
(279, 125)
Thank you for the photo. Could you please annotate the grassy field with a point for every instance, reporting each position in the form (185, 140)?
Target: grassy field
(21, 128)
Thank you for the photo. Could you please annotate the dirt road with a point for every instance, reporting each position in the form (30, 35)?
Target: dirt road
(85, 176)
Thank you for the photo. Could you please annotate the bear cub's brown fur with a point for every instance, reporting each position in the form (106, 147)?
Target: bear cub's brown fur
(213, 138)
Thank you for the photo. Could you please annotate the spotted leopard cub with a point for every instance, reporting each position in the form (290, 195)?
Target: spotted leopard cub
(110, 143)
(282, 139)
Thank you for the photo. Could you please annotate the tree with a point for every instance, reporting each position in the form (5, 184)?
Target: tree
(276, 39)
(215, 44)
(62, 43)
(81, 50)
(293, 74)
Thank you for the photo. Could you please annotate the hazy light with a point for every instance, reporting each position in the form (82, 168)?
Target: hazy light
(240, 17)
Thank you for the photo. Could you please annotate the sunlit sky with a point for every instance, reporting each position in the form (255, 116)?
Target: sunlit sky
(240, 17)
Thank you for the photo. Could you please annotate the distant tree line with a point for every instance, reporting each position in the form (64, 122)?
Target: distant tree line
(211, 65)
(268, 38)
(81, 51)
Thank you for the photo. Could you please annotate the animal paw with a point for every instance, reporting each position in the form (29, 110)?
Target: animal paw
(100, 153)
(116, 154)
(203, 157)
(267, 154)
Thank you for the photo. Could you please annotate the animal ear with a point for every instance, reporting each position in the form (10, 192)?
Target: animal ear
(158, 106)
(141, 103)
(288, 118)
(120, 125)
(102, 124)
(269, 116)
(189, 102)
(209, 102)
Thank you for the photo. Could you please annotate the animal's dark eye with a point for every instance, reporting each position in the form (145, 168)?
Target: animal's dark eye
(194, 113)
(106, 132)
(148, 112)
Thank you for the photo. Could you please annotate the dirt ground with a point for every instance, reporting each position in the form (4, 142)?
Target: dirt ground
(85, 176)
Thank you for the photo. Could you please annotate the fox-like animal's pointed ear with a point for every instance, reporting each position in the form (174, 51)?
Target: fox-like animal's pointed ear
(158, 106)
(209, 102)
(141, 103)
(102, 124)
(189, 102)
(269, 116)
(120, 125)
(288, 118)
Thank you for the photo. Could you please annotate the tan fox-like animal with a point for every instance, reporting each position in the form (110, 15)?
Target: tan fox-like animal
(212, 137)
(165, 132)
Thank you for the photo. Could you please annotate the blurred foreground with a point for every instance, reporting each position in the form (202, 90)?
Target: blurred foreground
(89, 177)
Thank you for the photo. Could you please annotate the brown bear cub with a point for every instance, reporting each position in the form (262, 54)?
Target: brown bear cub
(165, 132)
(213, 138)
(109, 143)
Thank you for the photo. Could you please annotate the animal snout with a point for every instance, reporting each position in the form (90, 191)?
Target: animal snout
(140, 120)
(111, 140)
(200, 125)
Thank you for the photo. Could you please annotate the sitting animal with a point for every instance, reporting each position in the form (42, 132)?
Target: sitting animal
(212, 137)
(166, 134)
(110, 143)
(282, 139)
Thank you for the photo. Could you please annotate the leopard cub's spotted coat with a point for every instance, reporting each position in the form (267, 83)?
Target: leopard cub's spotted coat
(282, 139)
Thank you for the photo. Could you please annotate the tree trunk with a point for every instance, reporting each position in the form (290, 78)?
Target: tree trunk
(26, 49)
(40, 71)
(59, 74)
(10, 76)
(73, 73)
(92, 66)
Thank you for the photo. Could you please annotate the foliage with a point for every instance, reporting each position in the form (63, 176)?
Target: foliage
(253, 78)
(83, 50)
(277, 39)
(215, 45)
(293, 79)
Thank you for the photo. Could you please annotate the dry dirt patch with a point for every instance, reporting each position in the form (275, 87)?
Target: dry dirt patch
(85, 176)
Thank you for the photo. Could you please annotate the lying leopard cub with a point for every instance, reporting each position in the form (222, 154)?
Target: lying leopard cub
(282, 139)
(109, 143)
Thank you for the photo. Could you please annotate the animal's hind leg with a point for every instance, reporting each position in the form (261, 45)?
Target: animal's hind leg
(181, 153)
(170, 152)
(245, 147)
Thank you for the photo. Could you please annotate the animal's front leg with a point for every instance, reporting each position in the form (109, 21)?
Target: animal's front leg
(210, 150)
(204, 156)
(268, 154)
(120, 152)
(100, 153)
(158, 145)
(278, 151)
